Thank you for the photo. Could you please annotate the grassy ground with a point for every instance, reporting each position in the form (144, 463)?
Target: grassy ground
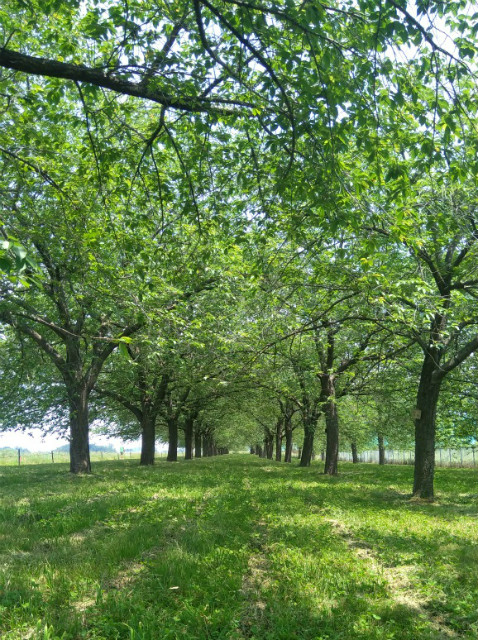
(234, 548)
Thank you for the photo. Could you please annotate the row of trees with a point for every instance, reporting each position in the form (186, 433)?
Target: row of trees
(238, 218)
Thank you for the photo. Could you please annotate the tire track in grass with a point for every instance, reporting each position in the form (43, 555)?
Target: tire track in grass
(256, 579)
(131, 570)
(397, 580)
(81, 549)
(83, 537)
(192, 588)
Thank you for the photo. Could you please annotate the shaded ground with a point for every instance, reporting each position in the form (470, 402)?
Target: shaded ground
(235, 548)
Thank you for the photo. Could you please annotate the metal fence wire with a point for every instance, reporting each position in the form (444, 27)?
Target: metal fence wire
(464, 457)
(20, 457)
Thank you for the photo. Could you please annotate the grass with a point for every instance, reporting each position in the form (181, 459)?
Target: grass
(235, 548)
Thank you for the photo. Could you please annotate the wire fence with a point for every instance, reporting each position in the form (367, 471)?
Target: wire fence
(464, 457)
(12, 457)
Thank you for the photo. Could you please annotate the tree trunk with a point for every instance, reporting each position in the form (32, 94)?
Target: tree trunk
(354, 453)
(278, 439)
(327, 382)
(197, 444)
(148, 439)
(288, 442)
(308, 446)
(381, 449)
(425, 425)
(269, 445)
(332, 429)
(188, 437)
(79, 431)
(207, 446)
(172, 440)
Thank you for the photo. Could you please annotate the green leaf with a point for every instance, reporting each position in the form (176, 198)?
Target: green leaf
(123, 349)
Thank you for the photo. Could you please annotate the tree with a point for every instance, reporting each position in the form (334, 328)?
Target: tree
(141, 389)
(60, 310)
(435, 304)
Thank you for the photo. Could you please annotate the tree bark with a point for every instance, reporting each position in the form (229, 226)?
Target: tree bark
(172, 439)
(354, 453)
(188, 437)
(269, 445)
(381, 449)
(79, 430)
(278, 439)
(148, 439)
(197, 444)
(327, 382)
(425, 426)
(207, 446)
(288, 442)
(332, 429)
(308, 445)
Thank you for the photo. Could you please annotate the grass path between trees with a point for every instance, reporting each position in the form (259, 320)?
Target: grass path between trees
(236, 548)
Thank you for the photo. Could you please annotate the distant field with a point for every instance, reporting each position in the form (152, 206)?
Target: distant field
(235, 548)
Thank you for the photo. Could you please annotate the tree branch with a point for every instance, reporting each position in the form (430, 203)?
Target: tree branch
(457, 359)
(121, 400)
(53, 354)
(97, 77)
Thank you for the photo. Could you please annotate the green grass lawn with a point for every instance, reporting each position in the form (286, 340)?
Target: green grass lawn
(236, 547)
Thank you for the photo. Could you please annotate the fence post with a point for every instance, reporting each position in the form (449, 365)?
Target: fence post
(19, 457)
(473, 452)
(52, 458)
(461, 456)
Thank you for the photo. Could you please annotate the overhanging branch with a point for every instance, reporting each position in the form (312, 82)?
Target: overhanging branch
(97, 77)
